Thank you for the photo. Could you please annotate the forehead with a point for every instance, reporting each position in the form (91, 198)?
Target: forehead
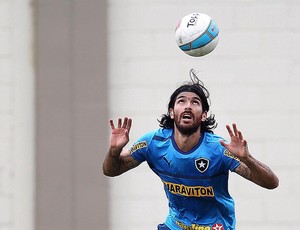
(188, 95)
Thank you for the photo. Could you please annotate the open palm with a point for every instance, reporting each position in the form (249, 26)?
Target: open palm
(237, 146)
(119, 136)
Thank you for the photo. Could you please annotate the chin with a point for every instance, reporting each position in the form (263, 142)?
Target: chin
(187, 130)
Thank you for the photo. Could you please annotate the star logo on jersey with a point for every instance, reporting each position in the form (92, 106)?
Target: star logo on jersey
(217, 227)
(202, 164)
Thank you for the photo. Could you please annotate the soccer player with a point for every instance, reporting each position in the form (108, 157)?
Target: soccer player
(192, 162)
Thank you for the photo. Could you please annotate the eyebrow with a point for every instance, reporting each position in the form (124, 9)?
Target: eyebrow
(197, 98)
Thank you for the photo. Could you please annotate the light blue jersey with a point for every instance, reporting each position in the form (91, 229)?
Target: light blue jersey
(195, 182)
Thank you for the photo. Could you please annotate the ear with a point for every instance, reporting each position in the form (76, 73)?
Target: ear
(204, 116)
(171, 112)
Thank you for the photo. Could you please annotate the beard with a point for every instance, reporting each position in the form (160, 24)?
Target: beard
(187, 130)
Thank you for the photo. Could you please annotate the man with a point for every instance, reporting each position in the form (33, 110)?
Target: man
(192, 162)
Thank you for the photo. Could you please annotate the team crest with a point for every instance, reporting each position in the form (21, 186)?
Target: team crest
(202, 164)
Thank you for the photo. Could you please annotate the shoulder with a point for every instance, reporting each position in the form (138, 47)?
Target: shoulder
(150, 138)
(212, 136)
(212, 139)
(149, 143)
(158, 134)
(212, 142)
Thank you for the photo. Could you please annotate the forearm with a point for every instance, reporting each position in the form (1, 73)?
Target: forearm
(112, 163)
(258, 173)
(118, 161)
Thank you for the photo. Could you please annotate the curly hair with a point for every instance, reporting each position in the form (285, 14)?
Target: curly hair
(196, 86)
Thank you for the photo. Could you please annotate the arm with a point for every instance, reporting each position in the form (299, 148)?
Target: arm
(250, 168)
(117, 160)
(258, 173)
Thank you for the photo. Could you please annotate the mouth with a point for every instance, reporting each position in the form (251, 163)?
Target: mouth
(187, 116)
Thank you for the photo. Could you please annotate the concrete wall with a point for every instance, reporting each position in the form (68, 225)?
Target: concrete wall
(253, 78)
(16, 116)
(71, 192)
(53, 110)
(60, 80)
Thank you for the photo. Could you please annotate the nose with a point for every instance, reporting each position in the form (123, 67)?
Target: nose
(188, 106)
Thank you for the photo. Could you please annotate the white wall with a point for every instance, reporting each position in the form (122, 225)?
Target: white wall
(16, 116)
(253, 78)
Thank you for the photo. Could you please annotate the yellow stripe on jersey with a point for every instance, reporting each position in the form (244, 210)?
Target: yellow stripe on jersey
(192, 191)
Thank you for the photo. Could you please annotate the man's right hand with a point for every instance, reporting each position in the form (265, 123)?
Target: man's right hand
(119, 136)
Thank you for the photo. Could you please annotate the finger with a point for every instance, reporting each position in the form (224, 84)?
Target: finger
(229, 130)
(112, 124)
(119, 122)
(245, 143)
(236, 132)
(129, 124)
(223, 143)
(241, 135)
(124, 126)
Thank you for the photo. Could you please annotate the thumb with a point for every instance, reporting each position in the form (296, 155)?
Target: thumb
(222, 142)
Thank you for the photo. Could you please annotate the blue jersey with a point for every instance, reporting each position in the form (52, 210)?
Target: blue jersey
(195, 182)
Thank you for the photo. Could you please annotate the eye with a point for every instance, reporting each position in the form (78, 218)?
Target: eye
(180, 101)
(196, 102)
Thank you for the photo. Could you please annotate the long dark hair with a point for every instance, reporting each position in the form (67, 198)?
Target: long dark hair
(196, 86)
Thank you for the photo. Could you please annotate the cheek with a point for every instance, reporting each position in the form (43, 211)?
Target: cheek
(176, 117)
(174, 112)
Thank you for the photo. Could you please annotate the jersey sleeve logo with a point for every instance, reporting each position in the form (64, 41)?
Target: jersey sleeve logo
(229, 154)
(137, 146)
(202, 164)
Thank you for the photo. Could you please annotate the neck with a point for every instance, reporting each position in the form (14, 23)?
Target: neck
(186, 142)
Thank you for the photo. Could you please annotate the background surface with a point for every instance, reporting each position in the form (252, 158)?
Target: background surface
(66, 67)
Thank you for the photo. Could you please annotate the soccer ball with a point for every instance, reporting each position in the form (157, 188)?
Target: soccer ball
(197, 34)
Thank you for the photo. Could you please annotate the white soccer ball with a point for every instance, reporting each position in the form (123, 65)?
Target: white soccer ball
(197, 34)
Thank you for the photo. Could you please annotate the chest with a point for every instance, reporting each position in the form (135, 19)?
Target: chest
(203, 162)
